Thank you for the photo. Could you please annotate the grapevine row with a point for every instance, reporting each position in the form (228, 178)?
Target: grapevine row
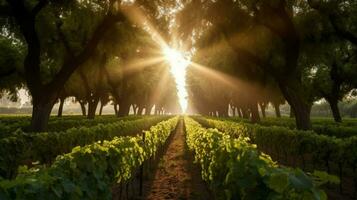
(235, 169)
(44, 147)
(12, 126)
(319, 126)
(284, 143)
(89, 172)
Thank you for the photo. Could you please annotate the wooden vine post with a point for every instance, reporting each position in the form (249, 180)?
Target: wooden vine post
(142, 171)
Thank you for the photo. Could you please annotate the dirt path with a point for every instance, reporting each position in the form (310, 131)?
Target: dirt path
(176, 176)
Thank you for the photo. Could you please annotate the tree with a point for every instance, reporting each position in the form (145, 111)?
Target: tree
(328, 57)
(262, 33)
(27, 18)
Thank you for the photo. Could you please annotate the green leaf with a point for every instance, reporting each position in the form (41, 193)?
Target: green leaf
(300, 180)
(324, 177)
(68, 186)
(319, 194)
(278, 182)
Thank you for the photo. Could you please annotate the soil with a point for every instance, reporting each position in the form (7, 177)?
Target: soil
(176, 176)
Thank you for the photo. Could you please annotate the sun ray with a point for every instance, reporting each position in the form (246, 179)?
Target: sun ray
(178, 63)
(139, 64)
(160, 87)
(138, 17)
(223, 78)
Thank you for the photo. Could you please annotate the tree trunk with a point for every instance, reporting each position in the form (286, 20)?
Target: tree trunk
(262, 108)
(222, 112)
(41, 112)
(302, 117)
(124, 108)
(292, 113)
(293, 92)
(101, 109)
(148, 109)
(140, 110)
(239, 112)
(233, 109)
(92, 107)
(60, 108)
(255, 118)
(332, 99)
(335, 110)
(115, 109)
(245, 113)
(277, 109)
(135, 109)
(83, 108)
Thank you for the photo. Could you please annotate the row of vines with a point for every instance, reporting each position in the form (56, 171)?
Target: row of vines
(103, 155)
(236, 169)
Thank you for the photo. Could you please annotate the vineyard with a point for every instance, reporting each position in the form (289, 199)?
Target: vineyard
(178, 99)
(113, 158)
(102, 155)
(311, 151)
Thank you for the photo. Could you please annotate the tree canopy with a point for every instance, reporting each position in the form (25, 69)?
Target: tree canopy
(302, 48)
(245, 55)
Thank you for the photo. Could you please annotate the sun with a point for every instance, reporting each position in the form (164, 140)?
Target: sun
(178, 64)
(175, 58)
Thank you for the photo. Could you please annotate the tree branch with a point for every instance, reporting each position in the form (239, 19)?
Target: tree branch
(64, 40)
(71, 64)
(246, 56)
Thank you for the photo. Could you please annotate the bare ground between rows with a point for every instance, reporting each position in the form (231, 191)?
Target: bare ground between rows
(176, 176)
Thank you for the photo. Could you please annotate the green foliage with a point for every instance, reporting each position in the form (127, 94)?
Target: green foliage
(10, 125)
(321, 126)
(283, 141)
(235, 169)
(89, 172)
(24, 148)
(11, 56)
